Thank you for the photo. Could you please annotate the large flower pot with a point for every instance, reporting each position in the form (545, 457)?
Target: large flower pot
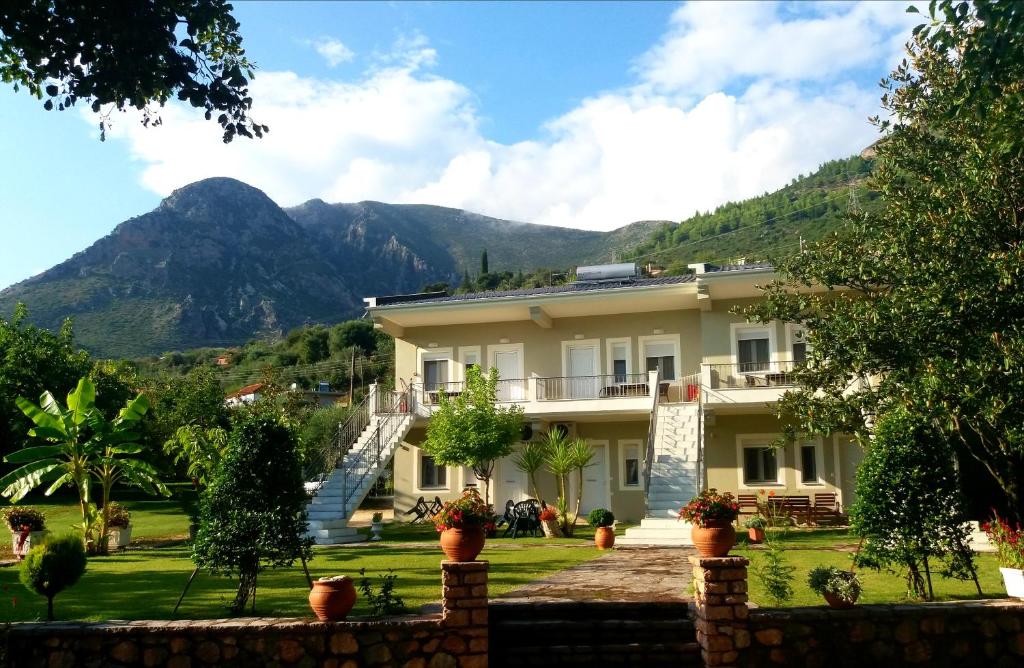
(1013, 579)
(119, 537)
(604, 538)
(837, 603)
(462, 544)
(714, 539)
(19, 548)
(332, 600)
(755, 534)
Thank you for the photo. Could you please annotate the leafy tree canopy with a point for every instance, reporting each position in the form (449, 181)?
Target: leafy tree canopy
(117, 55)
(925, 299)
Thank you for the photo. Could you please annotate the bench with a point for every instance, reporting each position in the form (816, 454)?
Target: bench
(826, 507)
(747, 504)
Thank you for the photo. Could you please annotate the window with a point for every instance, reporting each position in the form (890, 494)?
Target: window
(619, 366)
(661, 357)
(435, 374)
(630, 452)
(760, 465)
(432, 476)
(809, 464)
(753, 350)
(800, 352)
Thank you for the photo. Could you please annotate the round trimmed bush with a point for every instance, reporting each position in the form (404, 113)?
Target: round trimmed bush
(52, 567)
(600, 517)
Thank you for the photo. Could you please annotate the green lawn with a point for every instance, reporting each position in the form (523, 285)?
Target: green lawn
(145, 582)
(834, 547)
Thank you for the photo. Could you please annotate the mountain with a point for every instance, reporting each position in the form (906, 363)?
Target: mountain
(219, 263)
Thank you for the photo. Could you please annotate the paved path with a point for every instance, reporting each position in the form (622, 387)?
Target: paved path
(625, 574)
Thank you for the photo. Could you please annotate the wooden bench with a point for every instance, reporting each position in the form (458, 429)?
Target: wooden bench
(826, 507)
(747, 503)
(794, 506)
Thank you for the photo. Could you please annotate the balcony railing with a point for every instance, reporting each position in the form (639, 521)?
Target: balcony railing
(508, 390)
(609, 386)
(750, 375)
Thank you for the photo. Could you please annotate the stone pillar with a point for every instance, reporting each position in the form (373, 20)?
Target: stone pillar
(464, 611)
(720, 606)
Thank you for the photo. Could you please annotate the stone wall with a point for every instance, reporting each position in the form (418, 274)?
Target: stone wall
(455, 639)
(963, 633)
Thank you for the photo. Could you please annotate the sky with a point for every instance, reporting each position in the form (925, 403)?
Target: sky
(587, 115)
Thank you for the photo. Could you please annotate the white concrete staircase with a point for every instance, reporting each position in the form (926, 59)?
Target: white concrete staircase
(338, 497)
(675, 477)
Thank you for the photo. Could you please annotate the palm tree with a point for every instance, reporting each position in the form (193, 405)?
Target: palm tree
(559, 461)
(581, 455)
(530, 460)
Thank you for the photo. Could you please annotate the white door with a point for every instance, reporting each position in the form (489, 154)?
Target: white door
(582, 379)
(595, 482)
(511, 484)
(507, 364)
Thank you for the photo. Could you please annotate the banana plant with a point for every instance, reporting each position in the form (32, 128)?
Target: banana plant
(80, 443)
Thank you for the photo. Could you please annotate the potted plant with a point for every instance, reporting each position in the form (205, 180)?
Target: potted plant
(602, 519)
(119, 525)
(28, 528)
(549, 522)
(712, 513)
(377, 525)
(755, 529)
(840, 588)
(331, 599)
(463, 524)
(1009, 543)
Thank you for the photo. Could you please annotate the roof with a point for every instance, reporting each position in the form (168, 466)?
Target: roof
(755, 266)
(248, 389)
(569, 288)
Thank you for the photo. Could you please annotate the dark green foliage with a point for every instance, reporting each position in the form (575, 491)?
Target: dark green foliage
(314, 345)
(316, 437)
(775, 574)
(52, 567)
(484, 266)
(24, 516)
(101, 53)
(830, 580)
(253, 515)
(600, 517)
(929, 287)
(193, 400)
(383, 602)
(909, 509)
(353, 334)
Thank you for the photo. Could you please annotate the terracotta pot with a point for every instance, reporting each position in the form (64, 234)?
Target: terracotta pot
(332, 600)
(837, 603)
(715, 539)
(462, 544)
(604, 538)
(755, 534)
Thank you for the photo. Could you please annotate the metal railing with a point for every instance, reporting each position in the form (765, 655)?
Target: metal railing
(322, 462)
(652, 430)
(751, 375)
(392, 410)
(508, 390)
(607, 386)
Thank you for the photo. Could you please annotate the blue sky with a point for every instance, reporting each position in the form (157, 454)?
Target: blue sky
(587, 115)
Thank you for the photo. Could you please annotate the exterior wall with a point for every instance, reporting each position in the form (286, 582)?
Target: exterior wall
(627, 503)
(716, 328)
(850, 455)
(542, 348)
(724, 465)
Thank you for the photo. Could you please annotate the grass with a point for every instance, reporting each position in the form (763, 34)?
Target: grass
(834, 547)
(145, 582)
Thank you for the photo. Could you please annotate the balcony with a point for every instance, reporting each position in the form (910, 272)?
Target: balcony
(561, 395)
(749, 383)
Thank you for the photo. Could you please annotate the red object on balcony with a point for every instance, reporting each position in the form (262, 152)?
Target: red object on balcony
(691, 392)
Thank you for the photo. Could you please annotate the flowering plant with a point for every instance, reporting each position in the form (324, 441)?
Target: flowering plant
(710, 506)
(466, 512)
(21, 518)
(548, 514)
(1009, 541)
(118, 516)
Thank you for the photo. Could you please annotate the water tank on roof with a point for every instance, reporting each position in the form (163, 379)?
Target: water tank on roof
(606, 272)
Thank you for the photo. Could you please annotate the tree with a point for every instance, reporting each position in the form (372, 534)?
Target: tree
(52, 567)
(484, 269)
(471, 429)
(115, 56)
(195, 400)
(563, 457)
(253, 514)
(909, 509)
(353, 334)
(925, 295)
(530, 460)
(315, 345)
(82, 444)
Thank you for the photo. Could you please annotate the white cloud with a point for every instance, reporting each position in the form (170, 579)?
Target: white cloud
(734, 100)
(332, 50)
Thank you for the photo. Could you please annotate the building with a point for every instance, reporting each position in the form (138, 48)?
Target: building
(244, 395)
(671, 388)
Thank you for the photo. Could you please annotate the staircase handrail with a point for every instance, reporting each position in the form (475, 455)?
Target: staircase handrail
(651, 432)
(356, 465)
(342, 441)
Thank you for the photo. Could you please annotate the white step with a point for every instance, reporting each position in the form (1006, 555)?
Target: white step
(327, 524)
(657, 531)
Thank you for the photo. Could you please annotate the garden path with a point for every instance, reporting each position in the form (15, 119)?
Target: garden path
(634, 574)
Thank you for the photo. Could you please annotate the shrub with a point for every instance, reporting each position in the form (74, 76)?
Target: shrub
(468, 511)
(24, 516)
(253, 514)
(118, 516)
(755, 522)
(775, 574)
(600, 517)
(1008, 541)
(710, 506)
(384, 601)
(377, 518)
(842, 584)
(52, 567)
(548, 514)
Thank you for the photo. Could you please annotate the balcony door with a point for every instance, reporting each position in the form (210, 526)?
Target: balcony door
(510, 384)
(582, 371)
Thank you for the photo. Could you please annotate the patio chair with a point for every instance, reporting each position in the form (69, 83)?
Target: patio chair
(421, 511)
(507, 517)
(525, 518)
